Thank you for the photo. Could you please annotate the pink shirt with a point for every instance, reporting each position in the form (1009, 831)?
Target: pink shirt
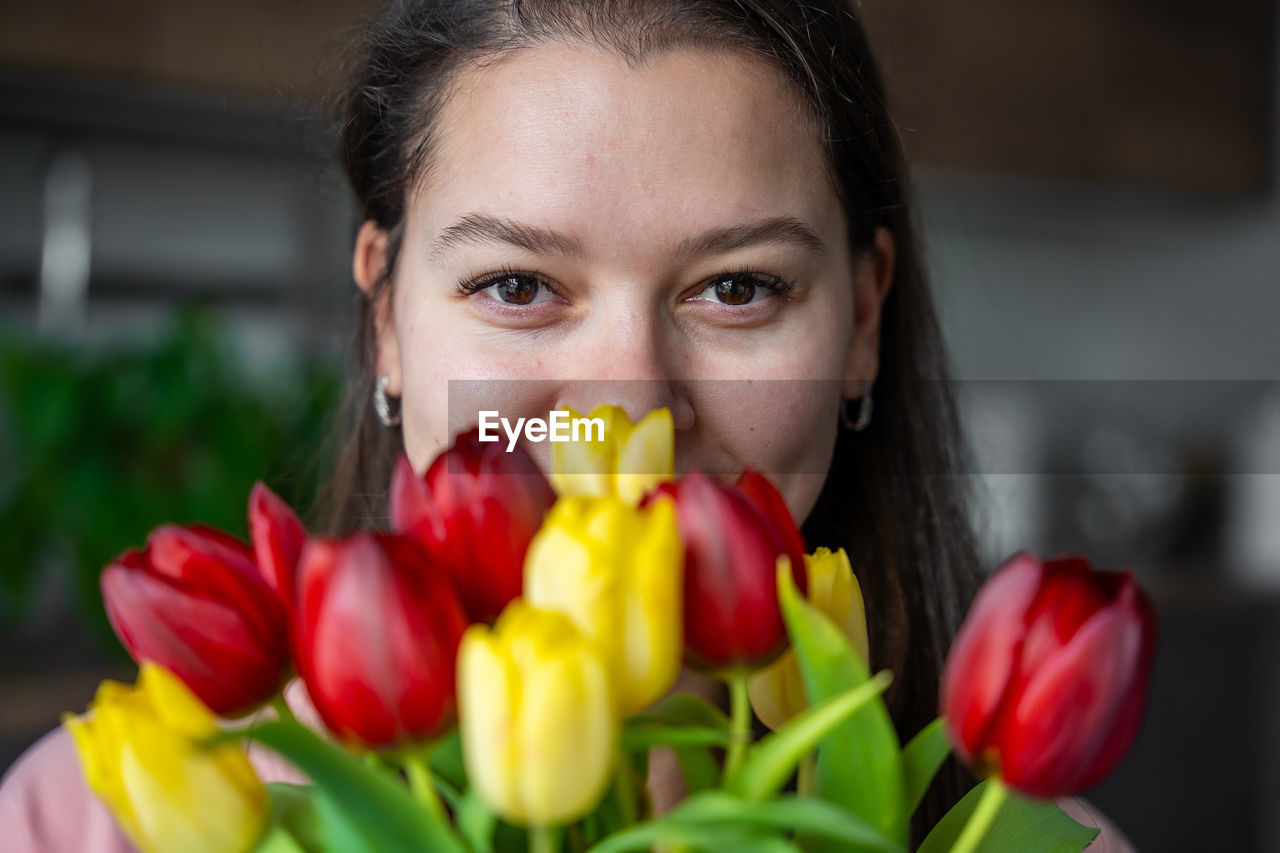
(45, 806)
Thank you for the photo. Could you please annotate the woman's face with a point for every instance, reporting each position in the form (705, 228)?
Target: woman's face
(637, 231)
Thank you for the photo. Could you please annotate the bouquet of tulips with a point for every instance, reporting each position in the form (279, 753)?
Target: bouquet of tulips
(494, 673)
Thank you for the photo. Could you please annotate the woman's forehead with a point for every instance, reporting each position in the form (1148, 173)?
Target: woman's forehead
(568, 134)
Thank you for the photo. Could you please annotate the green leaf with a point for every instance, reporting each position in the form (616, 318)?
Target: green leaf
(684, 709)
(293, 812)
(646, 836)
(446, 761)
(476, 822)
(1021, 826)
(367, 808)
(341, 833)
(807, 815)
(859, 765)
(278, 840)
(921, 758)
(715, 820)
(645, 736)
(760, 845)
(771, 762)
(699, 768)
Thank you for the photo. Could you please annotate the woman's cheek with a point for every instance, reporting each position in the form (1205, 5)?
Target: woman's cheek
(783, 428)
(428, 361)
(449, 382)
(425, 418)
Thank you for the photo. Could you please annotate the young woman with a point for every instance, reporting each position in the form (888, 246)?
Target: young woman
(697, 204)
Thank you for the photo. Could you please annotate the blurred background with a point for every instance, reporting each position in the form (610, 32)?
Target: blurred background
(1097, 186)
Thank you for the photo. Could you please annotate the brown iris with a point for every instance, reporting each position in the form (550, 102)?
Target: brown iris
(735, 291)
(517, 290)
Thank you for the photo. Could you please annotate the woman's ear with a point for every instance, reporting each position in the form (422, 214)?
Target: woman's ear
(871, 282)
(367, 263)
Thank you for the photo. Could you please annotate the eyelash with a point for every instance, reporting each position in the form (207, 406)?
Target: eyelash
(466, 287)
(772, 283)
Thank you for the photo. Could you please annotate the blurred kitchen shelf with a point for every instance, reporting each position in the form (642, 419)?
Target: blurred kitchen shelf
(187, 196)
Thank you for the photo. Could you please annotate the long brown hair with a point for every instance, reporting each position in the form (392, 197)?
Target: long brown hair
(894, 497)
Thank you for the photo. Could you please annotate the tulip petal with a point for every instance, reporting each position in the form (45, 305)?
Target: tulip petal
(566, 734)
(584, 468)
(377, 635)
(277, 536)
(97, 761)
(411, 506)
(615, 571)
(353, 673)
(1070, 593)
(208, 644)
(488, 697)
(474, 512)
(647, 456)
(165, 791)
(652, 602)
(982, 657)
(212, 564)
(1076, 716)
(183, 797)
(537, 716)
(777, 692)
(834, 590)
(732, 618)
(782, 526)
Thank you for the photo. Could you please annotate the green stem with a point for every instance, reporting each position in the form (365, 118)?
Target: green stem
(626, 791)
(283, 712)
(806, 774)
(739, 724)
(421, 784)
(983, 815)
(576, 837)
(542, 839)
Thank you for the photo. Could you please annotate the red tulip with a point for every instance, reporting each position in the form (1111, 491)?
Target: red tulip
(278, 537)
(376, 635)
(475, 511)
(194, 602)
(770, 500)
(1047, 679)
(733, 536)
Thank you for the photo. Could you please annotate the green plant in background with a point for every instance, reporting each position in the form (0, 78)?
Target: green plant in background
(98, 446)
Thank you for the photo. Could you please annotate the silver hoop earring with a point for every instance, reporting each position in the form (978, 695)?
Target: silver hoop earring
(382, 404)
(865, 406)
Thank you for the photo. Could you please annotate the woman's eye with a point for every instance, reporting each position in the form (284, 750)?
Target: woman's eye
(743, 288)
(511, 288)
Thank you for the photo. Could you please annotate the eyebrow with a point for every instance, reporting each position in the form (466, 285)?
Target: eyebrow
(482, 228)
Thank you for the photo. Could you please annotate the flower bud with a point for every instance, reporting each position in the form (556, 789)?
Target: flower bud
(538, 720)
(616, 571)
(732, 620)
(474, 512)
(194, 602)
(141, 753)
(377, 634)
(1046, 682)
(777, 691)
(277, 536)
(629, 462)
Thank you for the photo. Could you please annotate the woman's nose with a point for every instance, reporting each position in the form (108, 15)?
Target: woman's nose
(632, 360)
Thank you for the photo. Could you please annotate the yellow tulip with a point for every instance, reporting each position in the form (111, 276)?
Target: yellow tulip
(777, 691)
(617, 572)
(631, 460)
(537, 719)
(139, 750)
